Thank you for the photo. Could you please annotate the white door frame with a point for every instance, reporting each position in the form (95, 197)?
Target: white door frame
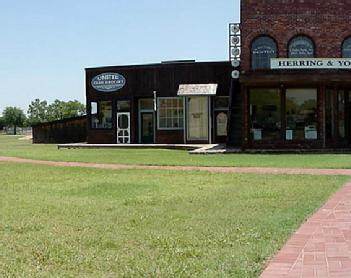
(124, 129)
(209, 118)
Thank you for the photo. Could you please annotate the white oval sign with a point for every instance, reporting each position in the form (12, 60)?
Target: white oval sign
(108, 82)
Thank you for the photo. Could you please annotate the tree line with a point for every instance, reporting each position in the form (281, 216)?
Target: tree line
(40, 111)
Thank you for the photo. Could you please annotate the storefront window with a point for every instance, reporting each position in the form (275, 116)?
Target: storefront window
(265, 114)
(301, 114)
(346, 48)
(101, 114)
(263, 49)
(301, 47)
(170, 113)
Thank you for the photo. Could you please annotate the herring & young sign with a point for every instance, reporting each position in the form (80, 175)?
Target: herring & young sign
(310, 63)
(108, 82)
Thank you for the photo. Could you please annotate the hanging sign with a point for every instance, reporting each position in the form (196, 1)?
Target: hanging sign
(310, 63)
(108, 82)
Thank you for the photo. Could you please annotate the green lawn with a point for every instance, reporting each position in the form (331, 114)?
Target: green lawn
(11, 146)
(74, 222)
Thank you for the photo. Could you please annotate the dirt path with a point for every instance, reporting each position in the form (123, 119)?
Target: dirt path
(254, 170)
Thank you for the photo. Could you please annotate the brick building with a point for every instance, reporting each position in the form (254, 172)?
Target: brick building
(295, 73)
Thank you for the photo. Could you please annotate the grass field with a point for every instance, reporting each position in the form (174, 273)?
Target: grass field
(11, 146)
(73, 222)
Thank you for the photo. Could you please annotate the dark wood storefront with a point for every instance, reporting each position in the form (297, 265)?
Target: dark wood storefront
(132, 116)
(325, 116)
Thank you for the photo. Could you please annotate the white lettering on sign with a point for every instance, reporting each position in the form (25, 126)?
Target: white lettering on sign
(108, 82)
(310, 63)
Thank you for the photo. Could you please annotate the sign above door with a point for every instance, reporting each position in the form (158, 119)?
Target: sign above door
(197, 89)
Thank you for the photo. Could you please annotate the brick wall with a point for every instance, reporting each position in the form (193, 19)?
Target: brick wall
(327, 22)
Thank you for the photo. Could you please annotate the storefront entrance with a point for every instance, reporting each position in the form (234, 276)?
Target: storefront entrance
(338, 112)
(123, 128)
(146, 121)
(197, 118)
(146, 127)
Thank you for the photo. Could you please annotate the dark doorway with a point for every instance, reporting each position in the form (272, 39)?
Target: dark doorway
(338, 123)
(147, 127)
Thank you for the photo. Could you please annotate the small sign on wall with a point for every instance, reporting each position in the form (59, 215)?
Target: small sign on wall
(108, 82)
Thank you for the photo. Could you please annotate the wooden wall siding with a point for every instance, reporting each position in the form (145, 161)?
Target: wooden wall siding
(142, 80)
(169, 137)
(72, 130)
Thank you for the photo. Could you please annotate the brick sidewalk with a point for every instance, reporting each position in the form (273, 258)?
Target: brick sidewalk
(321, 247)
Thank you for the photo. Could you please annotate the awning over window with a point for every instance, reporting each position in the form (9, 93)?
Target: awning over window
(197, 89)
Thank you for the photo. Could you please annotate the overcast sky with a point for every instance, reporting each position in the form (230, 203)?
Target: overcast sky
(45, 45)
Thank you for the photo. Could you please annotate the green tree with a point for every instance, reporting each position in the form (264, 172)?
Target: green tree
(40, 112)
(2, 123)
(59, 110)
(13, 117)
(37, 112)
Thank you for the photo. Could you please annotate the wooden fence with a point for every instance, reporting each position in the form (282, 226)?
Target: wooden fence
(73, 130)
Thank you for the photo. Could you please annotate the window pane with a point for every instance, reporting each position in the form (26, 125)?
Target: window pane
(346, 48)
(301, 114)
(103, 116)
(341, 114)
(222, 103)
(146, 104)
(263, 49)
(170, 113)
(93, 106)
(301, 47)
(265, 114)
(123, 105)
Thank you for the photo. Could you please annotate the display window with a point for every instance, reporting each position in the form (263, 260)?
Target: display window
(301, 114)
(101, 114)
(265, 114)
(170, 113)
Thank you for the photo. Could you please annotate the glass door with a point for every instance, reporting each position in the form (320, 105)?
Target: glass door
(197, 119)
(147, 127)
(123, 128)
(338, 111)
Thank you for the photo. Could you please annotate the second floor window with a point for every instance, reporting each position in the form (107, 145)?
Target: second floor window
(262, 50)
(301, 47)
(346, 48)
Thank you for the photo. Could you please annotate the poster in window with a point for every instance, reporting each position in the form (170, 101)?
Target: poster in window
(222, 120)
